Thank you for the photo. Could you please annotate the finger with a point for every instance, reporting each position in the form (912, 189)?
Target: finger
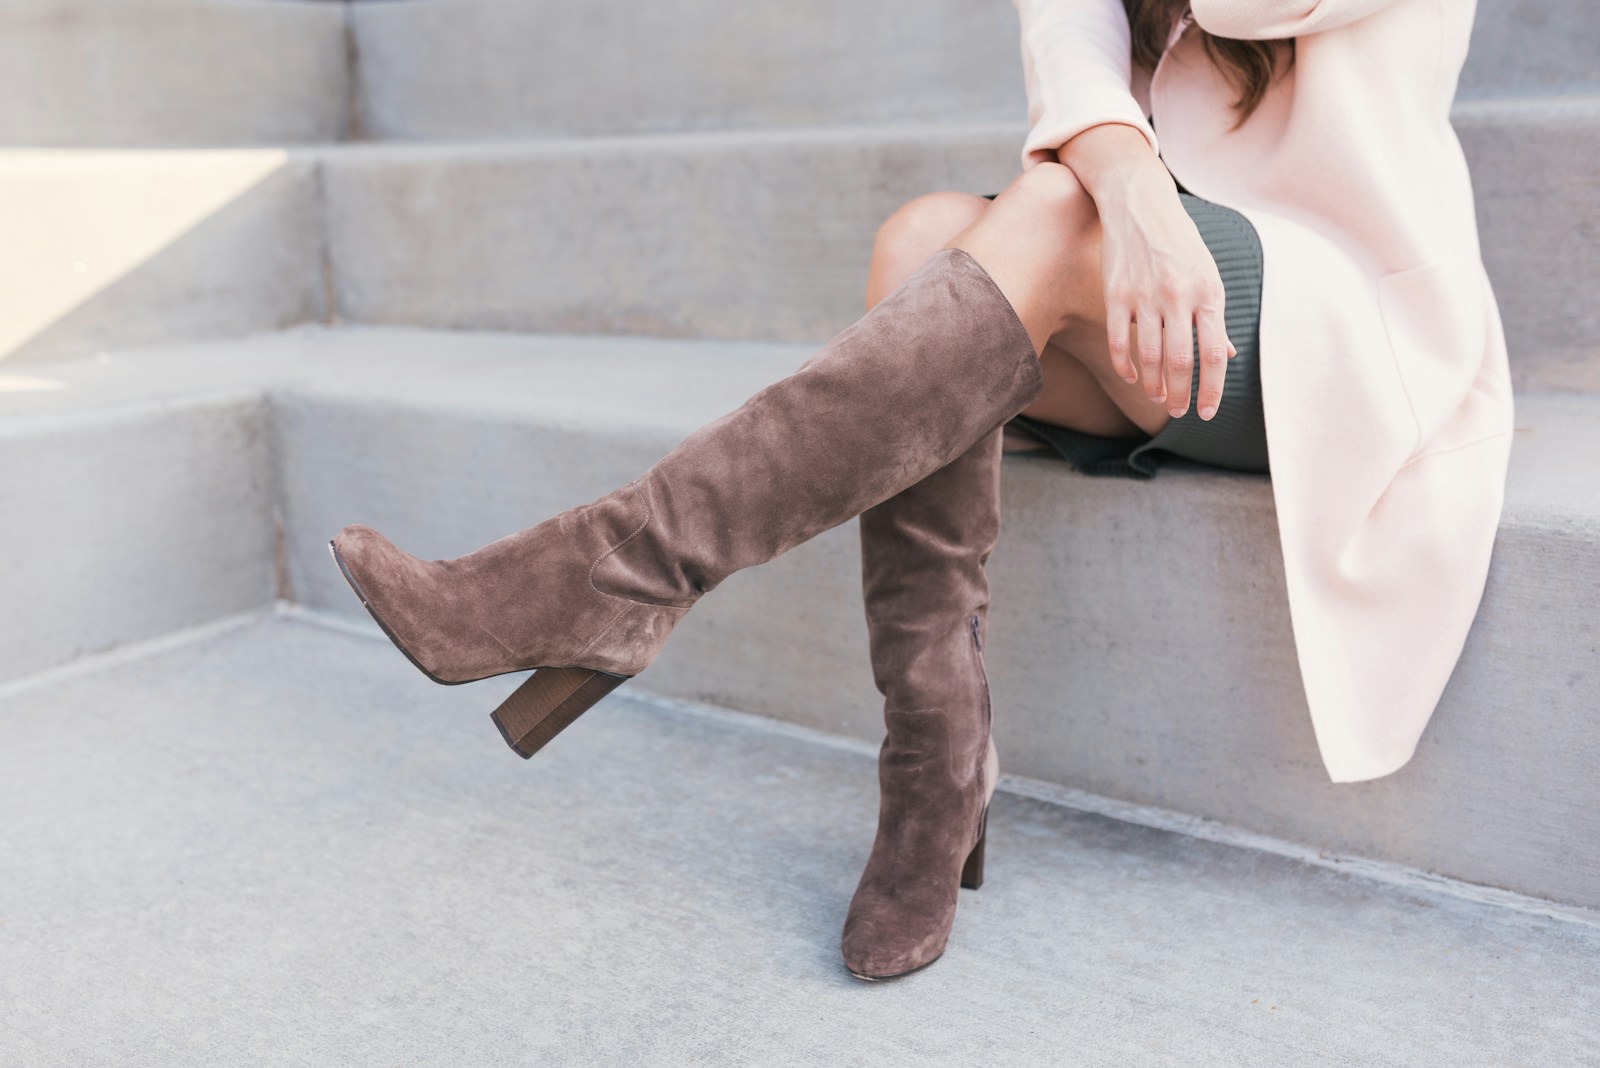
(1149, 321)
(1118, 322)
(1179, 327)
(1212, 335)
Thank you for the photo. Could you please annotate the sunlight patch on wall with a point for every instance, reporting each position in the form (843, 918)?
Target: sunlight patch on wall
(75, 221)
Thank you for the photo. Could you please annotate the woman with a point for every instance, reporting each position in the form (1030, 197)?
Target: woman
(1085, 290)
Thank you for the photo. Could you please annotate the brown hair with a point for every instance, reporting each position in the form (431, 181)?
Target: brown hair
(1250, 65)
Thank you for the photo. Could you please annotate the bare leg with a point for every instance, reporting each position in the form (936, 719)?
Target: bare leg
(1040, 241)
(1072, 395)
(926, 594)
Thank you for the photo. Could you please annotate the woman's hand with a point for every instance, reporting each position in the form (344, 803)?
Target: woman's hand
(1159, 274)
(1156, 269)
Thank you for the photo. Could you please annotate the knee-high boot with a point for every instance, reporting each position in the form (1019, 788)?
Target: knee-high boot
(589, 596)
(926, 594)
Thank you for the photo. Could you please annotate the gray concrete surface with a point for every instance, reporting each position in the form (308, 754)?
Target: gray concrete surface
(1533, 162)
(490, 69)
(768, 234)
(126, 522)
(485, 69)
(109, 249)
(1532, 46)
(1095, 691)
(284, 846)
(234, 72)
(449, 440)
(744, 234)
(172, 72)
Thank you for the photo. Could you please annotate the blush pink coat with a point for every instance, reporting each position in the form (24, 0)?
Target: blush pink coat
(1383, 360)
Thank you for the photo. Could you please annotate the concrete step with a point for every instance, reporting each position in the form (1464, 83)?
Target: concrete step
(490, 69)
(768, 235)
(128, 519)
(448, 440)
(140, 247)
(107, 73)
(172, 72)
(730, 235)
(279, 824)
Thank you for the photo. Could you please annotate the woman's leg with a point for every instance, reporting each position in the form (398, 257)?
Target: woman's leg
(1072, 395)
(588, 597)
(926, 593)
(1076, 341)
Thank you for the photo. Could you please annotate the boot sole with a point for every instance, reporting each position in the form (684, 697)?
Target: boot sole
(892, 975)
(544, 705)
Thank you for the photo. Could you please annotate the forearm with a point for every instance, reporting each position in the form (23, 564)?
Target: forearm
(1113, 160)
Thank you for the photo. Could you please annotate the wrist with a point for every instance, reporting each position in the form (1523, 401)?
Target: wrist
(1131, 183)
(1114, 162)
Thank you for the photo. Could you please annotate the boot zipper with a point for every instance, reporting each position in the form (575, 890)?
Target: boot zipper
(988, 708)
(977, 648)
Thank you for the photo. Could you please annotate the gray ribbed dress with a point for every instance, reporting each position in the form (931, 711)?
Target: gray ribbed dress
(1236, 437)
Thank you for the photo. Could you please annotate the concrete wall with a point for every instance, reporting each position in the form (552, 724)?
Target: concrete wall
(172, 72)
(491, 69)
(124, 524)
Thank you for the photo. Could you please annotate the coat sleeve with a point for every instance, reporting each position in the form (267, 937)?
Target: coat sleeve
(1077, 63)
(1259, 20)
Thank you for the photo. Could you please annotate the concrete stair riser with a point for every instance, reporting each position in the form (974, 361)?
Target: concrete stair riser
(123, 248)
(235, 72)
(1533, 166)
(172, 72)
(1155, 667)
(1142, 649)
(728, 236)
(503, 69)
(1141, 639)
(125, 524)
(1097, 688)
(748, 235)
(762, 236)
(445, 483)
(494, 69)
(1532, 46)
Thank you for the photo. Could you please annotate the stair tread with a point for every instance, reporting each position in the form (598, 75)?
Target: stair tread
(623, 385)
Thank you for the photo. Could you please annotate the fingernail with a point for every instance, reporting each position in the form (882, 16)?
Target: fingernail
(1176, 412)
(1207, 412)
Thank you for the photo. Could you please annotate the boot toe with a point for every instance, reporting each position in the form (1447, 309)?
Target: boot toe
(374, 567)
(877, 951)
(392, 588)
(356, 545)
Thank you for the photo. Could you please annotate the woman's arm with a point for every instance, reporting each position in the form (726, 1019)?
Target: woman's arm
(1258, 20)
(1077, 61)
(1156, 270)
(1077, 68)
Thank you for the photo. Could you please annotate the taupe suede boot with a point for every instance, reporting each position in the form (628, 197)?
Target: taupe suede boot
(926, 593)
(589, 596)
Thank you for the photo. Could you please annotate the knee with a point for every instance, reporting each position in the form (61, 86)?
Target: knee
(917, 228)
(1047, 218)
(1050, 191)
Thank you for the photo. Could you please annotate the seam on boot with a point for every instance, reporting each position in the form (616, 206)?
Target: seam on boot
(649, 513)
